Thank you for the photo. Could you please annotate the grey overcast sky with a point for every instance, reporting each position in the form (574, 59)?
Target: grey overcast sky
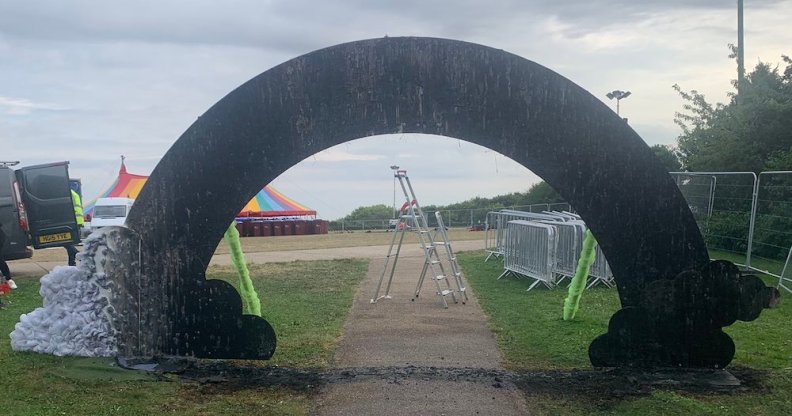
(89, 80)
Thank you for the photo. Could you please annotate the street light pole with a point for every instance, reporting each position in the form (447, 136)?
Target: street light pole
(394, 168)
(618, 95)
(740, 50)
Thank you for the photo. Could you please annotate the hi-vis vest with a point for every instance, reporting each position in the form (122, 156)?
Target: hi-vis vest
(78, 211)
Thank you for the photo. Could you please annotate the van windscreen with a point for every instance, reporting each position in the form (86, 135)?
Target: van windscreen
(110, 211)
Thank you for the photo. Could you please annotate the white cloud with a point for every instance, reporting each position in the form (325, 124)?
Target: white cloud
(24, 106)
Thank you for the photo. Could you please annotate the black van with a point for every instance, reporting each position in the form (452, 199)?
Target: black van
(12, 216)
(36, 208)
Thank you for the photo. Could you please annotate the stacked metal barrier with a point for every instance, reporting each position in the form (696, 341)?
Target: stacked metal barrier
(496, 231)
(544, 246)
(530, 251)
(600, 271)
(570, 243)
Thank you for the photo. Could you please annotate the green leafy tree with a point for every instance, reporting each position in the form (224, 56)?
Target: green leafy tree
(667, 157)
(780, 160)
(738, 136)
(752, 132)
(473, 210)
(542, 193)
(372, 212)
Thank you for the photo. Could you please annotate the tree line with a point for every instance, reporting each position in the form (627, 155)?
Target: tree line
(539, 193)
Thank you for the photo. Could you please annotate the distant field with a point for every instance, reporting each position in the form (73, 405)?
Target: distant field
(336, 240)
(297, 242)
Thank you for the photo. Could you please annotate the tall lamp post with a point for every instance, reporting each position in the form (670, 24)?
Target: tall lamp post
(618, 95)
(740, 51)
(394, 168)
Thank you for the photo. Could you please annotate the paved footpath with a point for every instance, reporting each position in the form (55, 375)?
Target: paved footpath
(398, 332)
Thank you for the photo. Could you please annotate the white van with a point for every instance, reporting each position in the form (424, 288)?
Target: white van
(110, 211)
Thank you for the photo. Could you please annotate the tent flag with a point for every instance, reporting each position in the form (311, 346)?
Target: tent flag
(268, 202)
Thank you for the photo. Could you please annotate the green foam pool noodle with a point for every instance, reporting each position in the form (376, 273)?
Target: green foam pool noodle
(251, 305)
(587, 255)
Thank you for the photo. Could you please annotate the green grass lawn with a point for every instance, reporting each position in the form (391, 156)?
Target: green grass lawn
(757, 262)
(532, 335)
(306, 303)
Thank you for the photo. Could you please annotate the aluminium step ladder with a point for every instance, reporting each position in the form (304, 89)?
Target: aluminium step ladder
(450, 256)
(414, 219)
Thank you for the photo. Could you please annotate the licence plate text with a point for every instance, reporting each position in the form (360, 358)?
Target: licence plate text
(54, 238)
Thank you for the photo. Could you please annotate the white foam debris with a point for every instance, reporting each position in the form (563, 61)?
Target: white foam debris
(75, 318)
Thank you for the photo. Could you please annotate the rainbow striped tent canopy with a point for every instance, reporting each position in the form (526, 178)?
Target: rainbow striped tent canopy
(268, 202)
(126, 185)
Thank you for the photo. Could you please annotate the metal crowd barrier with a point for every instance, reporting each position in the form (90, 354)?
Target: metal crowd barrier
(562, 215)
(600, 271)
(544, 246)
(496, 231)
(530, 251)
(571, 214)
(491, 234)
(785, 279)
(570, 243)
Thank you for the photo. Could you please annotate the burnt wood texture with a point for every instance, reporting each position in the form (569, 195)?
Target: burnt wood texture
(398, 85)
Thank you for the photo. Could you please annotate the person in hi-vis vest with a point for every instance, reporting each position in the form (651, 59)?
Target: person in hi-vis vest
(78, 215)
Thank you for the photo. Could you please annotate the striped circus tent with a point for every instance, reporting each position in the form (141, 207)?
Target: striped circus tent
(126, 185)
(268, 202)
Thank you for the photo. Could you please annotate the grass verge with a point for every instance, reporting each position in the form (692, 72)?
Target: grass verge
(306, 302)
(757, 262)
(532, 335)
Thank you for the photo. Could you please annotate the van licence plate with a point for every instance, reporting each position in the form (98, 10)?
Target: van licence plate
(54, 238)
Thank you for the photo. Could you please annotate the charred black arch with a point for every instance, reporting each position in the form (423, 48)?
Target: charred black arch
(401, 85)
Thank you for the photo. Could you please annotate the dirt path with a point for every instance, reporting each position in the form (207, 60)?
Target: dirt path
(401, 333)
